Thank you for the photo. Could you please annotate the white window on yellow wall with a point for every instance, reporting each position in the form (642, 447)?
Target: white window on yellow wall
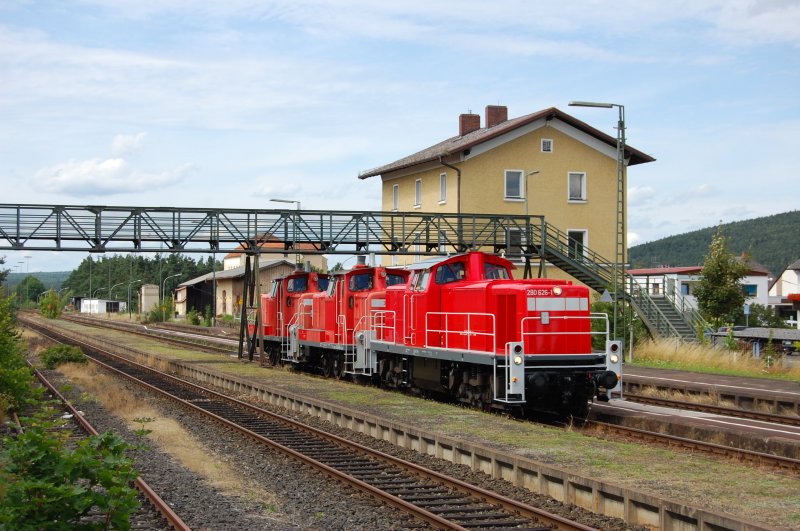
(547, 145)
(576, 187)
(418, 193)
(443, 188)
(513, 184)
(395, 197)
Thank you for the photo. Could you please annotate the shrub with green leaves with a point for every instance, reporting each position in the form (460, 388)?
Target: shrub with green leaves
(57, 355)
(50, 486)
(15, 375)
(51, 305)
(193, 317)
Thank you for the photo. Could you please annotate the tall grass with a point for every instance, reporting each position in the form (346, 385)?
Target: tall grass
(669, 354)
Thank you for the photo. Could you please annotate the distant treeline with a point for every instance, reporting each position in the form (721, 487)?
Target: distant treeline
(773, 241)
(50, 279)
(104, 273)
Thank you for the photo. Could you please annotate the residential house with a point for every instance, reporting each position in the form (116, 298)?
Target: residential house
(545, 163)
(679, 283)
(223, 291)
(784, 294)
(272, 247)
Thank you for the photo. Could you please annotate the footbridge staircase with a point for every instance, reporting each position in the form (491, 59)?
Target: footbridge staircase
(664, 316)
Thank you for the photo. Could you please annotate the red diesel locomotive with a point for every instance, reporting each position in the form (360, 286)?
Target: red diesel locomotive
(459, 326)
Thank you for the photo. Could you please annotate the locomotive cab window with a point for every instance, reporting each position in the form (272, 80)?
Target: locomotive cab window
(273, 291)
(394, 279)
(493, 271)
(447, 273)
(361, 282)
(322, 283)
(296, 285)
(421, 283)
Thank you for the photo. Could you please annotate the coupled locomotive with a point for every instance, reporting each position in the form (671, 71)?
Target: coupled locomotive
(459, 326)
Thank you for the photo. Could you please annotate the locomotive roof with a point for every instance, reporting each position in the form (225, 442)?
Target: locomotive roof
(430, 262)
(435, 260)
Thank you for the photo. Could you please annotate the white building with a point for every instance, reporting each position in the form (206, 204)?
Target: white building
(102, 306)
(784, 294)
(679, 283)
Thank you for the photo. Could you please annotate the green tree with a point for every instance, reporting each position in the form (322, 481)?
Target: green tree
(51, 304)
(30, 289)
(761, 316)
(719, 293)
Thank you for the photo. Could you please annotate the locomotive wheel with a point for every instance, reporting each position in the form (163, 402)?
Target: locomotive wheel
(338, 366)
(274, 356)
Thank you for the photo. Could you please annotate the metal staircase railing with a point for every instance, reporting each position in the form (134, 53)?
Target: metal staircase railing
(690, 312)
(597, 272)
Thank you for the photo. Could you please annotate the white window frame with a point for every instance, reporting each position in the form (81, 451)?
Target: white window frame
(418, 193)
(395, 197)
(581, 199)
(585, 239)
(442, 188)
(521, 196)
(542, 143)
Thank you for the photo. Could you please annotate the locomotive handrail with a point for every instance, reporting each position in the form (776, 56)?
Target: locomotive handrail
(468, 332)
(594, 317)
(379, 326)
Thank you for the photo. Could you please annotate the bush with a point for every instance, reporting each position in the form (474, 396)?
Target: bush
(160, 312)
(52, 357)
(50, 486)
(193, 317)
(51, 305)
(15, 375)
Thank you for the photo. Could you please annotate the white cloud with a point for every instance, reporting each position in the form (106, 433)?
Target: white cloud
(123, 144)
(95, 177)
(640, 194)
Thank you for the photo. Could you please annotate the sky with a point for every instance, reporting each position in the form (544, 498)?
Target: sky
(228, 104)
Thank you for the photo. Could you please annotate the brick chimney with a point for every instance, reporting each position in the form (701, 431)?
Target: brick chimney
(496, 114)
(468, 123)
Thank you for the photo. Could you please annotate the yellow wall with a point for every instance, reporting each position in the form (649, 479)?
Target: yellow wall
(483, 179)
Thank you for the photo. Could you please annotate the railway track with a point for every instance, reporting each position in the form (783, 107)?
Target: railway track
(749, 456)
(429, 496)
(739, 454)
(717, 410)
(171, 519)
(204, 342)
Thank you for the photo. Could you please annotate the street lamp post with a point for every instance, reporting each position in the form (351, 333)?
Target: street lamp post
(164, 294)
(27, 276)
(111, 291)
(620, 244)
(129, 295)
(294, 226)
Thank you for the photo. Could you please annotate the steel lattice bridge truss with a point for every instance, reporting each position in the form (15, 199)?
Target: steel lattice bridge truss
(127, 229)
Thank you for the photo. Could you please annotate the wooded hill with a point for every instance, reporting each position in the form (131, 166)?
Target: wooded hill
(773, 241)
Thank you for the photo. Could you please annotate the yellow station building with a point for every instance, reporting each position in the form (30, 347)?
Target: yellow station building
(546, 163)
